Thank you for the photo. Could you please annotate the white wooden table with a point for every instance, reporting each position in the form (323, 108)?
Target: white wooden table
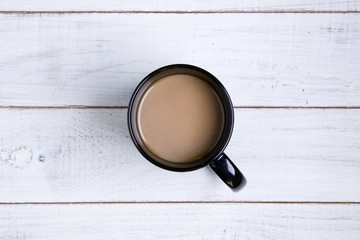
(68, 169)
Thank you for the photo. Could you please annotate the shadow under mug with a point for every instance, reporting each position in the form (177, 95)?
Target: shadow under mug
(216, 158)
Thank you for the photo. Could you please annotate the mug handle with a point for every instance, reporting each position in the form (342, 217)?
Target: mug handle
(228, 172)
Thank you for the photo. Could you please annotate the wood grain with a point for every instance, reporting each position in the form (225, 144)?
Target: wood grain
(180, 221)
(173, 5)
(97, 59)
(86, 155)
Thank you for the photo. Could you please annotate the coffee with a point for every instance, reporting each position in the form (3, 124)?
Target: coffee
(180, 118)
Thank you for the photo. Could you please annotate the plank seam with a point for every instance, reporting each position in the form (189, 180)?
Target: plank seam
(180, 202)
(182, 12)
(125, 107)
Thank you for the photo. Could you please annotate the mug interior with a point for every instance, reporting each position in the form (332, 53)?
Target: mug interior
(226, 104)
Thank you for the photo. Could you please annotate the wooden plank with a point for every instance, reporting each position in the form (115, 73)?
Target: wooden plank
(76, 155)
(186, 5)
(98, 59)
(180, 221)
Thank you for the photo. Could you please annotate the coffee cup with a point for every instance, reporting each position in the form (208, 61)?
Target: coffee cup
(181, 118)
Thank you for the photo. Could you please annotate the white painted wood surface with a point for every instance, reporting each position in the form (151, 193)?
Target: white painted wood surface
(286, 154)
(59, 156)
(98, 59)
(174, 5)
(180, 221)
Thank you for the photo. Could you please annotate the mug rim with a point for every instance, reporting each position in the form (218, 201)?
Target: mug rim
(227, 97)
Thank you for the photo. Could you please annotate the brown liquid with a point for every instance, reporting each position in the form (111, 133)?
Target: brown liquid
(180, 118)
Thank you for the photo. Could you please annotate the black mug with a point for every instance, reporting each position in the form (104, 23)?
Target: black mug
(216, 159)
